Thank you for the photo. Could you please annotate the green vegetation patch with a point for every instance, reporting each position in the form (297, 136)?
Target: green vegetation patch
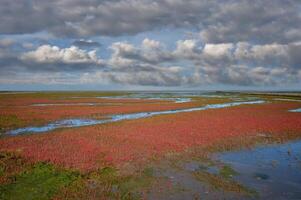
(108, 183)
(42, 181)
(21, 179)
(1, 171)
(227, 172)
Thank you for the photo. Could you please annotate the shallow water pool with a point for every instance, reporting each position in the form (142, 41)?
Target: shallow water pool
(296, 110)
(273, 171)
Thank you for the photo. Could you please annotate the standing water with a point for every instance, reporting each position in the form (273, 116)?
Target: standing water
(273, 171)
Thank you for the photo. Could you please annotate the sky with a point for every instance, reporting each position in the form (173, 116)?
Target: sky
(150, 45)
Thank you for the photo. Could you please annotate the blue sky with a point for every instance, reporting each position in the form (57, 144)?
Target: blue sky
(150, 45)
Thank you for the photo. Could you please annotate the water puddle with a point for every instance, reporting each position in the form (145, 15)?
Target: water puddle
(296, 110)
(114, 118)
(273, 171)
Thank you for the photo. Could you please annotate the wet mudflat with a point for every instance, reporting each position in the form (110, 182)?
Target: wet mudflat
(263, 172)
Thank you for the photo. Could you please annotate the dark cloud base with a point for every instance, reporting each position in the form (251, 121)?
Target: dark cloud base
(243, 43)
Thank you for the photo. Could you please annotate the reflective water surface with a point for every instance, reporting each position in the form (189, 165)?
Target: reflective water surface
(296, 110)
(273, 171)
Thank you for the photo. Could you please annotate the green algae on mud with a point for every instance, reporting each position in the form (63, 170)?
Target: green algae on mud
(227, 172)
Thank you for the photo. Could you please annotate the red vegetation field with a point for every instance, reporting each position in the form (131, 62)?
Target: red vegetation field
(88, 148)
(32, 115)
